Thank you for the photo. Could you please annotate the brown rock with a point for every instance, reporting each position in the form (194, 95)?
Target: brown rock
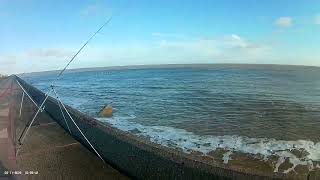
(106, 111)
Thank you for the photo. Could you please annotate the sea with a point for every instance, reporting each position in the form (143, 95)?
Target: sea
(261, 110)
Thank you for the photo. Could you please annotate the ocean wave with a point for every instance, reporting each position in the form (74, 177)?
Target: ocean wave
(188, 142)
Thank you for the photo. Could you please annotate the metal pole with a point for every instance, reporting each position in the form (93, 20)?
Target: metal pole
(39, 109)
(53, 82)
(27, 94)
(65, 120)
(61, 72)
(79, 128)
(21, 104)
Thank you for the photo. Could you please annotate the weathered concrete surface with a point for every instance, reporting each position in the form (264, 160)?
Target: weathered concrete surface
(7, 157)
(47, 149)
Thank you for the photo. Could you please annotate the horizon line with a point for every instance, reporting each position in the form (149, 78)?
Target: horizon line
(137, 66)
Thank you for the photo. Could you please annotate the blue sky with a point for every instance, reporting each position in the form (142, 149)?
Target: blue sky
(43, 35)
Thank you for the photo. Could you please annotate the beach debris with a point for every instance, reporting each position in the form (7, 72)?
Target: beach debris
(226, 157)
(106, 111)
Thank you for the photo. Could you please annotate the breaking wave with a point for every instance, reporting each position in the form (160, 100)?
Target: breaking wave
(188, 142)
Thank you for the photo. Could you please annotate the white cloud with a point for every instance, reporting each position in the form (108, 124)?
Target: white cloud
(317, 19)
(97, 9)
(230, 48)
(90, 9)
(37, 59)
(167, 35)
(234, 40)
(49, 52)
(236, 47)
(226, 49)
(283, 21)
(8, 63)
(236, 37)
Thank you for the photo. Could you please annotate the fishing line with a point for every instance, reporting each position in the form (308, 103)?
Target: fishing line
(40, 108)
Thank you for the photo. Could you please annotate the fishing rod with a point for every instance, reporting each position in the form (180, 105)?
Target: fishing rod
(41, 107)
(62, 71)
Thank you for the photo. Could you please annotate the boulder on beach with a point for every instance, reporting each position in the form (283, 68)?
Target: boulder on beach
(106, 111)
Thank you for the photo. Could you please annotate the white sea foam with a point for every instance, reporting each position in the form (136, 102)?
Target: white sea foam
(226, 157)
(188, 141)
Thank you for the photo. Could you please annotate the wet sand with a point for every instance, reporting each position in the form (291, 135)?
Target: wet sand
(47, 150)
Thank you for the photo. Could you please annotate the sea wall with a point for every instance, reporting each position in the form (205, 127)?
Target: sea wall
(134, 156)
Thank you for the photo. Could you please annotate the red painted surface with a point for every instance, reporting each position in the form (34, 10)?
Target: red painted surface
(10, 148)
